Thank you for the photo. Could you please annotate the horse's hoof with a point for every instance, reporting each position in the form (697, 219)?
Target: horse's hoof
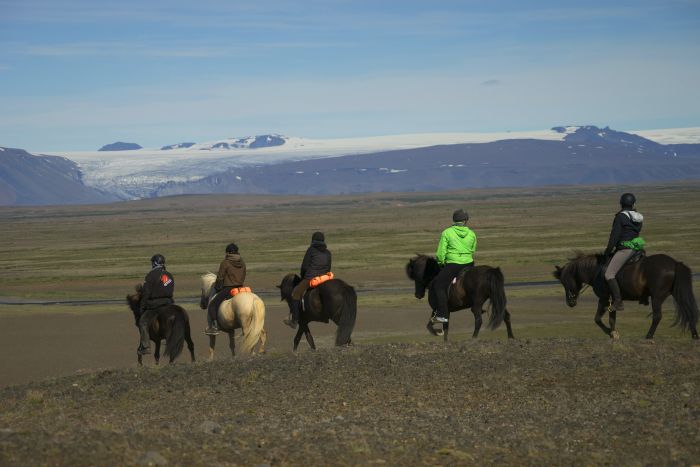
(649, 341)
(433, 331)
(614, 335)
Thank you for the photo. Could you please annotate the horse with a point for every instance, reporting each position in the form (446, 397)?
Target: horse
(170, 323)
(333, 300)
(471, 288)
(655, 277)
(245, 310)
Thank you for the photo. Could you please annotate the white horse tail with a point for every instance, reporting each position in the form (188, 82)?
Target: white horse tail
(256, 325)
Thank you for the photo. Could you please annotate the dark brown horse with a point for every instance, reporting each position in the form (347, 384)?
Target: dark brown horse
(171, 323)
(654, 277)
(471, 289)
(333, 300)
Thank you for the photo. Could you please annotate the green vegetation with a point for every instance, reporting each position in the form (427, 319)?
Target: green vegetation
(100, 252)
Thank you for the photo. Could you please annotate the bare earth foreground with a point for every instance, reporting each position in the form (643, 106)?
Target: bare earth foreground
(540, 401)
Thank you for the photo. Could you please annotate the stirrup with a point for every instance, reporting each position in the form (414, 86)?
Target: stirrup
(211, 331)
(438, 319)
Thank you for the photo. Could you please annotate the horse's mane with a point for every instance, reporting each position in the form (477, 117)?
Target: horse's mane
(580, 262)
(288, 283)
(208, 280)
(410, 266)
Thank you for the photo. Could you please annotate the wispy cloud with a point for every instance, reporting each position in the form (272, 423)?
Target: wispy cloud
(491, 82)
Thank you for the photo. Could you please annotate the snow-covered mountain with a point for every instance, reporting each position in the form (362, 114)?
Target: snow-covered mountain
(276, 163)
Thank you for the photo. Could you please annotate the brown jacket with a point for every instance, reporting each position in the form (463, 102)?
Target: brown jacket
(231, 272)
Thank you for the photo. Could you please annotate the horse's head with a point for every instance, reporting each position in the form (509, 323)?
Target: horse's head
(422, 269)
(574, 274)
(208, 281)
(134, 302)
(287, 286)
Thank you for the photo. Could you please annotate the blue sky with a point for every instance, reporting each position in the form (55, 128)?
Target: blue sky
(77, 74)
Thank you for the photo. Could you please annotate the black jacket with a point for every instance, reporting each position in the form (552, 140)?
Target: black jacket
(158, 288)
(317, 261)
(626, 226)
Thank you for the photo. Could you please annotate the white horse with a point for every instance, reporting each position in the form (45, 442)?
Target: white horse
(245, 310)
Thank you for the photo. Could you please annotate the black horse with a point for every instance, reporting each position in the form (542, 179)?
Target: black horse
(333, 300)
(171, 323)
(471, 289)
(655, 277)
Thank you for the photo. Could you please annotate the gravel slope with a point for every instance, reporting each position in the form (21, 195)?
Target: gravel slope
(562, 401)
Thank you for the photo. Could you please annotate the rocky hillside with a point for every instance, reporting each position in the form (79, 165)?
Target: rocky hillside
(26, 179)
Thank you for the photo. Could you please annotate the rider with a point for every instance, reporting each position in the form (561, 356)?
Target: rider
(622, 244)
(157, 291)
(231, 274)
(317, 261)
(455, 253)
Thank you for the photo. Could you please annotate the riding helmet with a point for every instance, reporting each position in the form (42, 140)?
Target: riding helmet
(460, 215)
(232, 248)
(627, 200)
(318, 237)
(157, 260)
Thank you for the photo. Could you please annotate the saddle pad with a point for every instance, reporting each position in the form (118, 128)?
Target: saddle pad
(236, 290)
(318, 280)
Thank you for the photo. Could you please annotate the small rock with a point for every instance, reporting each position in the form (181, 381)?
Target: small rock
(210, 427)
(153, 458)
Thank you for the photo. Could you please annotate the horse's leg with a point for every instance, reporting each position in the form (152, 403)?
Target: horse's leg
(297, 336)
(477, 310)
(612, 317)
(445, 330)
(140, 359)
(655, 316)
(190, 344)
(506, 319)
(232, 343)
(156, 354)
(309, 338)
(212, 344)
(602, 307)
(263, 340)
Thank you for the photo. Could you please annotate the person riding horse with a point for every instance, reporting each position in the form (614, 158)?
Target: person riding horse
(455, 253)
(157, 291)
(624, 241)
(317, 262)
(231, 274)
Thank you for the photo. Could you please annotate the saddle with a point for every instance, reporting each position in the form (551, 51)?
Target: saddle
(601, 285)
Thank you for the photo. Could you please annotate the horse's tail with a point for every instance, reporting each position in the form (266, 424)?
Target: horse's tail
(256, 325)
(181, 326)
(686, 306)
(497, 295)
(348, 314)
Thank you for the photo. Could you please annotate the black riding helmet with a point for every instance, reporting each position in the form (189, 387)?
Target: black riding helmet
(460, 215)
(627, 200)
(232, 248)
(157, 260)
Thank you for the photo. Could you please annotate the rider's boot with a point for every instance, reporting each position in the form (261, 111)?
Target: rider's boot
(616, 295)
(212, 330)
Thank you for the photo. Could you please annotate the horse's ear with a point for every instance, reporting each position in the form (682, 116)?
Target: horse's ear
(557, 272)
(278, 286)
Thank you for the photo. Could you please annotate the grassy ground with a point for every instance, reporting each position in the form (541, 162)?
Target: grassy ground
(101, 251)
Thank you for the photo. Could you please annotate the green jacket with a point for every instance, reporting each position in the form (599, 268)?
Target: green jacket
(457, 245)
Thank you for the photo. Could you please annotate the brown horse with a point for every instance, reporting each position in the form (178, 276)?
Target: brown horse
(333, 300)
(471, 289)
(170, 323)
(655, 277)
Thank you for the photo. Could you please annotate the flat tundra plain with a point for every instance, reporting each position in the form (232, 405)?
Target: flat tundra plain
(560, 393)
